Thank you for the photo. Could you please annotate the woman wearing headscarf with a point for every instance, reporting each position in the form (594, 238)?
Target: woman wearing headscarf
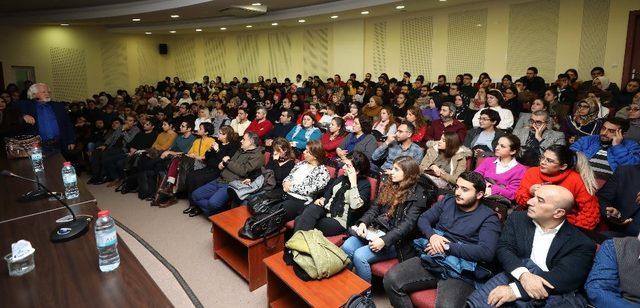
(584, 121)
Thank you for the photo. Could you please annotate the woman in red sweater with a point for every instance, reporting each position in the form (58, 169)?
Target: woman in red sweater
(333, 137)
(557, 166)
(415, 117)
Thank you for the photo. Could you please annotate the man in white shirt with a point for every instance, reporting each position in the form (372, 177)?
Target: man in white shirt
(240, 123)
(545, 258)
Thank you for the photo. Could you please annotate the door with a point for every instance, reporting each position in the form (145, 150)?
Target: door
(631, 67)
(22, 74)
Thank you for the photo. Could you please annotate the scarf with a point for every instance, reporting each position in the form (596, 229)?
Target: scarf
(336, 208)
(352, 142)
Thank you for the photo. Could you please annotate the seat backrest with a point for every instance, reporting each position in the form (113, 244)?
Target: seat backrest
(374, 188)
(267, 157)
(332, 172)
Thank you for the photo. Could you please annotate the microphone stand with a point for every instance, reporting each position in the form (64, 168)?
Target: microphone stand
(34, 195)
(65, 231)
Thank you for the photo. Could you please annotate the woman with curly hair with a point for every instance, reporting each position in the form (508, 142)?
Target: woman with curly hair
(385, 230)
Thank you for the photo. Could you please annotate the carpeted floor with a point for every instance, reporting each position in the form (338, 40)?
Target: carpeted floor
(189, 276)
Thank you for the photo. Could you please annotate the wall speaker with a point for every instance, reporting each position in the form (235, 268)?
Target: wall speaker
(163, 49)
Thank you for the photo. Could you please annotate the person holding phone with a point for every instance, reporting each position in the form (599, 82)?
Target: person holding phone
(445, 160)
(344, 197)
(395, 213)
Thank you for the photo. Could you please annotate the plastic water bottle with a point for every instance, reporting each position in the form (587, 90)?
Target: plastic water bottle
(36, 159)
(107, 242)
(70, 181)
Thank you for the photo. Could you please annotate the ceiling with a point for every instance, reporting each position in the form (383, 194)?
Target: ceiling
(154, 15)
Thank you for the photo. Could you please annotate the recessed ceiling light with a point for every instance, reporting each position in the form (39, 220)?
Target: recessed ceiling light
(249, 26)
(256, 4)
(135, 19)
(334, 16)
(175, 16)
(64, 25)
(274, 24)
(147, 33)
(223, 28)
(364, 12)
(443, 0)
(198, 30)
(301, 20)
(399, 7)
(479, 25)
(172, 31)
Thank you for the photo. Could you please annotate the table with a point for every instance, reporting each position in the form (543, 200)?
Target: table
(242, 255)
(66, 274)
(12, 188)
(285, 289)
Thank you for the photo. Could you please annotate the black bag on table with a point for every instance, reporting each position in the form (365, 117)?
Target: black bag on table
(262, 225)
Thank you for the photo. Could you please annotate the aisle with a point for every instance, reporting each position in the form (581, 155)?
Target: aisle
(186, 245)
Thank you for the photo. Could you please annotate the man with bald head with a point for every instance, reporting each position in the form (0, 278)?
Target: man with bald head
(545, 258)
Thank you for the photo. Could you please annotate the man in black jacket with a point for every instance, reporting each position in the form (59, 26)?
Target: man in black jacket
(619, 201)
(545, 259)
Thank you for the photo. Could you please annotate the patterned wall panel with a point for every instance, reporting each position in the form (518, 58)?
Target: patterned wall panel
(214, 57)
(466, 42)
(316, 52)
(595, 20)
(114, 65)
(184, 55)
(248, 55)
(68, 73)
(416, 47)
(148, 58)
(280, 54)
(533, 36)
(379, 48)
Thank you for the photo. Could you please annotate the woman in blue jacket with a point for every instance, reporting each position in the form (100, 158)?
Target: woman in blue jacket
(304, 132)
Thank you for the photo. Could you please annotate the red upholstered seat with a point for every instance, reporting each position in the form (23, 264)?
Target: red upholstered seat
(380, 268)
(424, 298)
(338, 240)
(290, 224)
(267, 157)
(332, 171)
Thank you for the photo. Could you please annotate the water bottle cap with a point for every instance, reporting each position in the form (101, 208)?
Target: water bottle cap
(67, 164)
(103, 213)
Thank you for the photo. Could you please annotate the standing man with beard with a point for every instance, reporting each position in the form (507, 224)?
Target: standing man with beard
(50, 120)
(457, 228)
(609, 150)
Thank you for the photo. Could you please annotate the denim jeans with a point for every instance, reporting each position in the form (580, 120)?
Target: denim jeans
(358, 251)
(411, 276)
(211, 198)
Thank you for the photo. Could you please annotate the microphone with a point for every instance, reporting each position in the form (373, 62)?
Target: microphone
(33, 195)
(65, 231)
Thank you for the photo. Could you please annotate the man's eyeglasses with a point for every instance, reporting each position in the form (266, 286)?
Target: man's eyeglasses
(536, 122)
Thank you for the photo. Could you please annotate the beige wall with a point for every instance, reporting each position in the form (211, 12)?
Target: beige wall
(492, 36)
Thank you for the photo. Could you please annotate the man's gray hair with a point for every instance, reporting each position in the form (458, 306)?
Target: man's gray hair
(539, 113)
(33, 89)
(255, 139)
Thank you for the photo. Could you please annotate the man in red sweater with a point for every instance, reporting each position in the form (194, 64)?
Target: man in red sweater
(260, 125)
(446, 124)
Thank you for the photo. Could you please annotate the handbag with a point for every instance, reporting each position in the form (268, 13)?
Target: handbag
(263, 225)
(20, 146)
(262, 203)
